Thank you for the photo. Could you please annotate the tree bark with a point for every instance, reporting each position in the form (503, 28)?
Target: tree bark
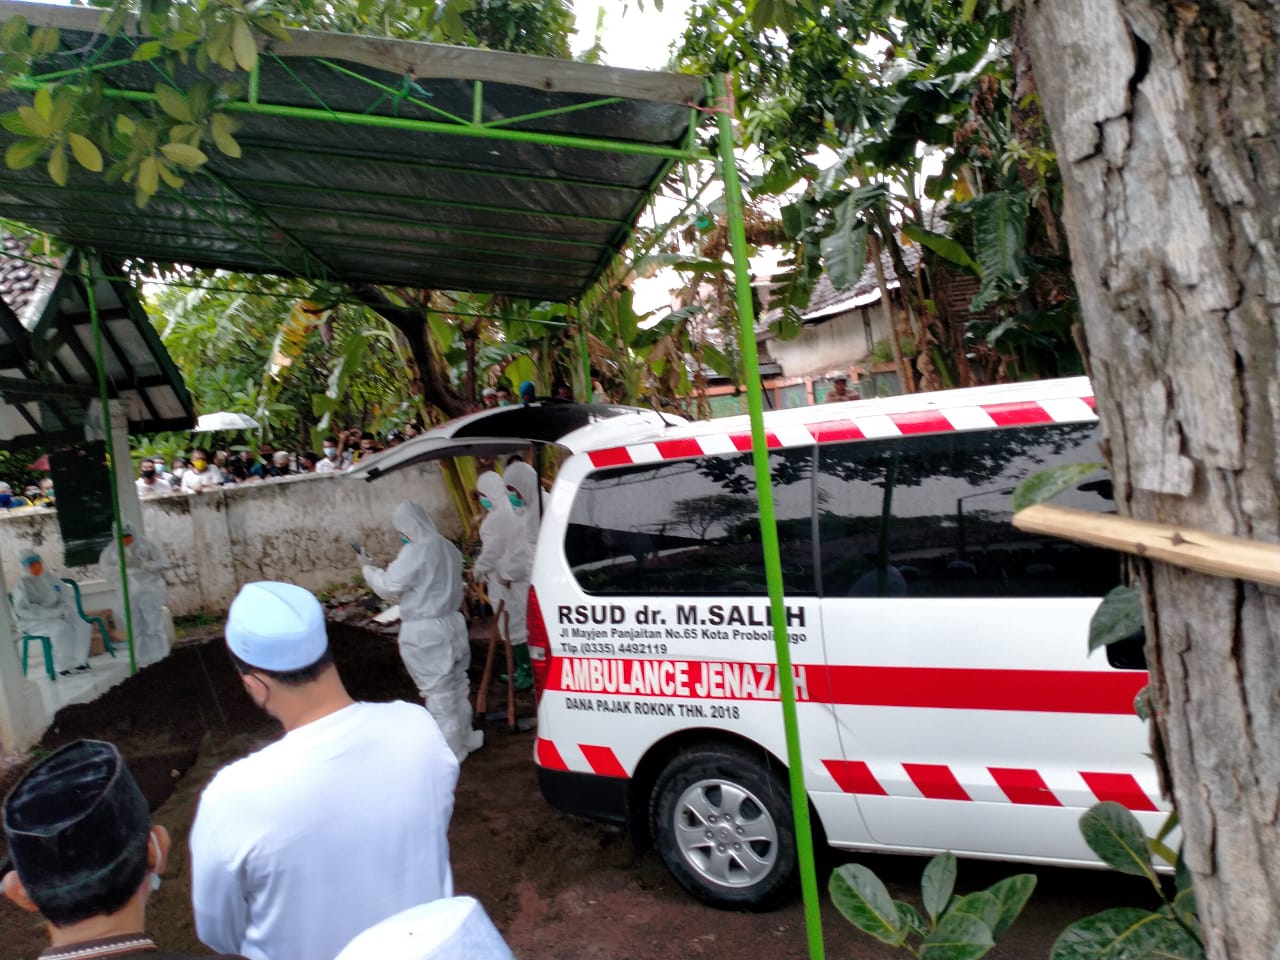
(1165, 118)
(437, 390)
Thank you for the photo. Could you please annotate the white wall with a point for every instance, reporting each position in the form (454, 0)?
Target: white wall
(836, 344)
(296, 529)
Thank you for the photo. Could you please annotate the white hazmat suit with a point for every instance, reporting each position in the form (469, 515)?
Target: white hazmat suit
(504, 560)
(426, 579)
(46, 607)
(145, 564)
(519, 555)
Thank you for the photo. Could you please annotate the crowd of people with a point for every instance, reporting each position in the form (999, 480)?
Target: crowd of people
(272, 879)
(206, 468)
(33, 495)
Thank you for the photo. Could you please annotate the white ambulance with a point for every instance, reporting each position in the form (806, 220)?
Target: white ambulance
(946, 698)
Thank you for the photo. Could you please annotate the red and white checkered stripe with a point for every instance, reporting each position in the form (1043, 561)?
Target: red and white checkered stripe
(939, 781)
(867, 427)
(930, 781)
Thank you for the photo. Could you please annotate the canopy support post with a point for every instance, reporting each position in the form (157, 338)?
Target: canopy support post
(91, 300)
(768, 523)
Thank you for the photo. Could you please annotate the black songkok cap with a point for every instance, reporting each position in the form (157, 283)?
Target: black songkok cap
(76, 822)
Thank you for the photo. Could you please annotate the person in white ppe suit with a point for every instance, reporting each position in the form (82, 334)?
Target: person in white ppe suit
(505, 563)
(145, 563)
(426, 579)
(525, 496)
(455, 928)
(46, 607)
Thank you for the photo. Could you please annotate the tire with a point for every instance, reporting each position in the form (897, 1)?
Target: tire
(721, 821)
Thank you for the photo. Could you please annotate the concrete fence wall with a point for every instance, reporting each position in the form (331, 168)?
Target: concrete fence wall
(297, 529)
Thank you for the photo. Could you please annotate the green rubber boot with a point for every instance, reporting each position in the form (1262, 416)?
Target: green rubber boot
(524, 668)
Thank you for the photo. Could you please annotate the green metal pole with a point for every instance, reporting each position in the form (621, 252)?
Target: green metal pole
(768, 525)
(91, 300)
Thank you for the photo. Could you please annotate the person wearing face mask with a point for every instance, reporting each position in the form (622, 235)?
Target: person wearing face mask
(85, 854)
(8, 500)
(145, 563)
(46, 607)
(523, 496)
(426, 579)
(202, 475)
(149, 483)
(332, 460)
(504, 565)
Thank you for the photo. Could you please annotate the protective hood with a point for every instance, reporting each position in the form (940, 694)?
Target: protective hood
(494, 488)
(413, 521)
(522, 476)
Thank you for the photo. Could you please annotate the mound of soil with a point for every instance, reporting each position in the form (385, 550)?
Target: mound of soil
(559, 888)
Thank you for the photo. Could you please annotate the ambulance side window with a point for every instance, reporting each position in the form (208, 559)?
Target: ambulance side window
(929, 516)
(690, 527)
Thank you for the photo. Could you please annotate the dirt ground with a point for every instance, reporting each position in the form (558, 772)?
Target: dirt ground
(559, 888)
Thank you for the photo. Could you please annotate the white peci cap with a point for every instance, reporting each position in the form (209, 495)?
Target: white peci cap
(276, 626)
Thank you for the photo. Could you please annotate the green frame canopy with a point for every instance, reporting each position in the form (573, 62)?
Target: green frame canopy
(411, 164)
(378, 161)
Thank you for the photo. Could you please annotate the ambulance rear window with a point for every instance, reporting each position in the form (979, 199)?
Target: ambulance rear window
(687, 527)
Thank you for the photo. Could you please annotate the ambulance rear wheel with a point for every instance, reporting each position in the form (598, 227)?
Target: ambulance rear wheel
(721, 821)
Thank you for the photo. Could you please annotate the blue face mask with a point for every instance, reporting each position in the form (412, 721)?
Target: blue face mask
(486, 503)
(5, 499)
(404, 539)
(515, 499)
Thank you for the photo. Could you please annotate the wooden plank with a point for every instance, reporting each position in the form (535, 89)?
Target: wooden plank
(1212, 553)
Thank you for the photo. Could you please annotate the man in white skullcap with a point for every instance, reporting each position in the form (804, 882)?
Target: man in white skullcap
(453, 929)
(45, 607)
(336, 826)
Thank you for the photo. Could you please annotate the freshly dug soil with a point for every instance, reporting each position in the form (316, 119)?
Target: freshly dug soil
(558, 887)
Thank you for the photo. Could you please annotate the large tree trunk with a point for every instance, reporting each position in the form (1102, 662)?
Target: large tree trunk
(1165, 117)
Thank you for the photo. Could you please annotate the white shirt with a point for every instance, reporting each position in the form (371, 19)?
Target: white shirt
(325, 465)
(148, 490)
(193, 482)
(338, 825)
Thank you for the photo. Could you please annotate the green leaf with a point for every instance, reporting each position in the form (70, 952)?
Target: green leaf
(173, 103)
(149, 176)
(13, 122)
(1116, 836)
(125, 125)
(958, 936)
(1118, 616)
(912, 921)
(1013, 894)
(184, 155)
(981, 904)
(168, 176)
(999, 230)
(272, 28)
(45, 41)
(243, 45)
(38, 125)
(1183, 904)
(938, 882)
(23, 153)
(945, 247)
(86, 152)
(220, 127)
(13, 28)
(43, 103)
(149, 50)
(844, 252)
(1047, 484)
(180, 39)
(1126, 933)
(863, 900)
(57, 165)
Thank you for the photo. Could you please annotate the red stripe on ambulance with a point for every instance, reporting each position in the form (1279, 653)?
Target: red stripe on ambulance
(935, 781)
(548, 756)
(1018, 413)
(1121, 788)
(854, 776)
(1024, 786)
(602, 760)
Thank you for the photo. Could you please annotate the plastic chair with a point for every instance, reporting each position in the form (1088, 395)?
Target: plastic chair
(45, 646)
(102, 625)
